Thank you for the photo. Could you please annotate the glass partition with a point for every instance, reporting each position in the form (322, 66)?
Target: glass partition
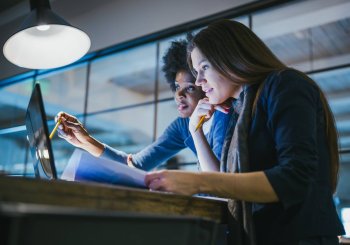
(122, 79)
(13, 143)
(64, 91)
(129, 130)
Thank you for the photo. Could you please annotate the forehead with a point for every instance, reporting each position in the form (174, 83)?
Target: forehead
(197, 57)
(184, 77)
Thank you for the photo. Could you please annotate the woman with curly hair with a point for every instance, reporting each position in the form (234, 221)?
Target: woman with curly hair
(175, 138)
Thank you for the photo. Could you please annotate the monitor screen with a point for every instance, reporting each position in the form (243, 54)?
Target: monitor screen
(38, 137)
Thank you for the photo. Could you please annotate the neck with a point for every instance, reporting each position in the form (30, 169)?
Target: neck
(237, 92)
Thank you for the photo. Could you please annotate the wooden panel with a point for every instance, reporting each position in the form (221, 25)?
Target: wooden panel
(108, 197)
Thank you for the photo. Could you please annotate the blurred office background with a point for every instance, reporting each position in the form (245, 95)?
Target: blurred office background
(119, 91)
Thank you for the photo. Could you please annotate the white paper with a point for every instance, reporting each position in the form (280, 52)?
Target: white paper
(82, 166)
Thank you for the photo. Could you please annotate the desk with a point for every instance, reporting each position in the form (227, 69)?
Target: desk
(86, 213)
(109, 198)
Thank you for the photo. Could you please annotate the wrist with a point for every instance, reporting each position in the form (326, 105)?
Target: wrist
(93, 146)
(197, 133)
(203, 183)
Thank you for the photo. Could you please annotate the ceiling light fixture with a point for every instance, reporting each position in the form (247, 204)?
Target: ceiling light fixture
(45, 40)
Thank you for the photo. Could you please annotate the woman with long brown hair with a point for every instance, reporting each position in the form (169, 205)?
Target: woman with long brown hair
(279, 164)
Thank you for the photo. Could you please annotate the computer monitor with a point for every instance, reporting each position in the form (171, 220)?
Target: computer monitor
(38, 137)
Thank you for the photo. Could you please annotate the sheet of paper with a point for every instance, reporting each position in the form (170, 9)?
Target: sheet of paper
(82, 166)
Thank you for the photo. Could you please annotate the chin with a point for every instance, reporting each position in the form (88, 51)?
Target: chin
(184, 114)
(214, 101)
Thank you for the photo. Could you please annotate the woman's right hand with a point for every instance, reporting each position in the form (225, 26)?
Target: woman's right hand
(72, 130)
(74, 133)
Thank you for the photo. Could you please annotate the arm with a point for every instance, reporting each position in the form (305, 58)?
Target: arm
(253, 187)
(294, 119)
(167, 145)
(208, 156)
(162, 149)
(74, 133)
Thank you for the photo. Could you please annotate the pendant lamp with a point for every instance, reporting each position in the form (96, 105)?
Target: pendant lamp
(45, 40)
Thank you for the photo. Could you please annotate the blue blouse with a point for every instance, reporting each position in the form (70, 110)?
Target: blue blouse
(174, 139)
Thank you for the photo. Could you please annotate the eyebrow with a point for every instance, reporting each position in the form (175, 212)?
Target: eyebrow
(203, 60)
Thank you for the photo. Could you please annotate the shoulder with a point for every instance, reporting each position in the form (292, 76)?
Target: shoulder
(289, 78)
(288, 81)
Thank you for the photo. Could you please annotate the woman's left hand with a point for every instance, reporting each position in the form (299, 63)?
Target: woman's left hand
(175, 181)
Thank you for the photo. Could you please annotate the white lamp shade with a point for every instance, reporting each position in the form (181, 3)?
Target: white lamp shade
(57, 46)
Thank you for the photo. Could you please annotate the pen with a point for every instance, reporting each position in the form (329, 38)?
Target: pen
(54, 129)
(200, 123)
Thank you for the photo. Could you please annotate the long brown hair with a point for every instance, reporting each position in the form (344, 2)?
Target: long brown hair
(240, 55)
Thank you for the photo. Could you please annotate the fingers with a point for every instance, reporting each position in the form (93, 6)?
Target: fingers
(223, 109)
(204, 104)
(154, 180)
(152, 176)
(204, 108)
(156, 184)
(76, 127)
(69, 122)
(65, 117)
(62, 134)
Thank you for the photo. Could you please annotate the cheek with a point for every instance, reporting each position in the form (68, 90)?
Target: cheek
(193, 100)
(192, 103)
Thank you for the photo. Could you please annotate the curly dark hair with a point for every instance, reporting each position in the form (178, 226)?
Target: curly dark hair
(175, 59)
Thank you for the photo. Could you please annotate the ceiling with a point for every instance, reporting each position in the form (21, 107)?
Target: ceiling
(6, 4)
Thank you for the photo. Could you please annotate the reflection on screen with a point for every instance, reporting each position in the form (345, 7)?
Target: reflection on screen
(38, 137)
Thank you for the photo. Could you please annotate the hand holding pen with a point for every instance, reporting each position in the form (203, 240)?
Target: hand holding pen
(71, 129)
(204, 112)
(55, 129)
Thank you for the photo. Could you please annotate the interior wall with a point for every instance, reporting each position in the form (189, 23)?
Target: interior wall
(109, 22)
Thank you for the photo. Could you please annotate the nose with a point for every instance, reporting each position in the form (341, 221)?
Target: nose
(199, 80)
(180, 93)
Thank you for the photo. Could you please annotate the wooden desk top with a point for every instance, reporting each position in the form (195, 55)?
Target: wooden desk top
(108, 197)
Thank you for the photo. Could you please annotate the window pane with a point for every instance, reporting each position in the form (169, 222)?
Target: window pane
(125, 78)
(13, 142)
(128, 130)
(13, 103)
(15, 154)
(64, 91)
(336, 85)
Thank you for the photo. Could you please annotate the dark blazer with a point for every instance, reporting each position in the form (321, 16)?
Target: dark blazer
(287, 141)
